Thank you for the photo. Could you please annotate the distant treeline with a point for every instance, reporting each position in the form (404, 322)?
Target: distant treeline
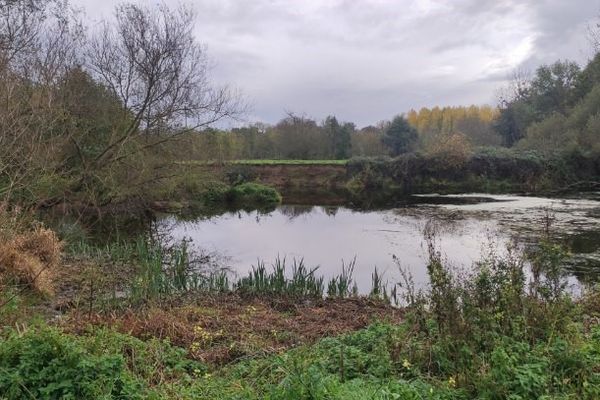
(557, 108)
(300, 137)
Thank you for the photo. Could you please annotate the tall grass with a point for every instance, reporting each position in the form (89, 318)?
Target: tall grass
(302, 283)
(343, 285)
(379, 288)
(116, 251)
(166, 270)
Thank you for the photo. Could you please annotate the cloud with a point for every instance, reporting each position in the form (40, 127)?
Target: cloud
(369, 60)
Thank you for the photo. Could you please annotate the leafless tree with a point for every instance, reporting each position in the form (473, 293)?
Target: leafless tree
(151, 61)
(593, 35)
(38, 42)
(517, 87)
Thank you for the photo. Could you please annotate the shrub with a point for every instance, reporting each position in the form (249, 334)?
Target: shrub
(215, 192)
(254, 194)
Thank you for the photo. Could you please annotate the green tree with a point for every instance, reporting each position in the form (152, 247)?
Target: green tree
(552, 87)
(340, 137)
(529, 101)
(400, 137)
(343, 146)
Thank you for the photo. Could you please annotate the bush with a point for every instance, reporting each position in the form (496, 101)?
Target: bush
(456, 169)
(46, 363)
(253, 194)
(215, 192)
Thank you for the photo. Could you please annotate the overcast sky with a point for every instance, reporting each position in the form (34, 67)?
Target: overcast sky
(368, 60)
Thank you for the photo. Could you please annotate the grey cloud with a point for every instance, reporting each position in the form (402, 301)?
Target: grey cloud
(368, 60)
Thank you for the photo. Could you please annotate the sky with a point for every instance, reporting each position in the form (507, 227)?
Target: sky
(368, 60)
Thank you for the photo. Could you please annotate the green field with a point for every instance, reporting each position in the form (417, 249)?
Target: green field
(270, 162)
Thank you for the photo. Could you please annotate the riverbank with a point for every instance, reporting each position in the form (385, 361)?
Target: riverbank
(136, 321)
(382, 182)
(141, 317)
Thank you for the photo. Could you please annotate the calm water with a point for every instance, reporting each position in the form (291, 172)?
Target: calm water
(467, 226)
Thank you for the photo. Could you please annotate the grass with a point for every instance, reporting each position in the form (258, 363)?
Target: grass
(302, 284)
(290, 162)
(269, 162)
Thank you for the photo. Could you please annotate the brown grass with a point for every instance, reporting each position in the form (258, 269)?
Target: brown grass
(225, 328)
(31, 259)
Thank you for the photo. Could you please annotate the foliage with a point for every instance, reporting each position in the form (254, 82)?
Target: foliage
(454, 149)
(290, 162)
(492, 169)
(400, 137)
(46, 364)
(475, 123)
(490, 335)
(303, 283)
(248, 194)
(302, 137)
(87, 118)
(549, 91)
(340, 136)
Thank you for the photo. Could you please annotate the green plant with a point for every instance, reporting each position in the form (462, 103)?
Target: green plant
(302, 283)
(253, 194)
(343, 285)
(46, 364)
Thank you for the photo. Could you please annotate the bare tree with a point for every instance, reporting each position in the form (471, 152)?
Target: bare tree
(38, 42)
(517, 87)
(150, 60)
(88, 116)
(593, 35)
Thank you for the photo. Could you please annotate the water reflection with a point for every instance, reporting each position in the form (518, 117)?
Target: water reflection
(325, 236)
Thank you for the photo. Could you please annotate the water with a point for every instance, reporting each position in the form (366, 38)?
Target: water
(467, 226)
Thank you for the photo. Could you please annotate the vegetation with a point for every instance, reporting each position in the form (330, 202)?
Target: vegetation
(91, 120)
(250, 194)
(290, 162)
(400, 136)
(300, 137)
(488, 170)
(555, 109)
(491, 334)
(119, 120)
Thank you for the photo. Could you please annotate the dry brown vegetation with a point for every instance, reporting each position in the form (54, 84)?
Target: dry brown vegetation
(226, 328)
(31, 259)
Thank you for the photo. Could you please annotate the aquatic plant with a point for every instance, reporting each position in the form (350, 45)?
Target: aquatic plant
(302, 283)
(343, 285)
